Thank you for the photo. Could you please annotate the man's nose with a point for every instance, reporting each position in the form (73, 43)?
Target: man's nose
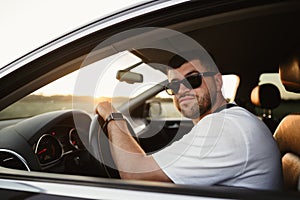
(183, 89)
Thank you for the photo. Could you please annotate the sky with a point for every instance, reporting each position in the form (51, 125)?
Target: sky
(28, 24)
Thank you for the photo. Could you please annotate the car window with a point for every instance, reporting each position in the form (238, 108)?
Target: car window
(274, 78)
(60, 94)
(46, 99)
(290, 101)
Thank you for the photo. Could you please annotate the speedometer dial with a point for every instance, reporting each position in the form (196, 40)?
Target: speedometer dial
(48, 149)
(75, 139)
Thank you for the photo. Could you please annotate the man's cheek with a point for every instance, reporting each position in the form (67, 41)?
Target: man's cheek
(175, 101)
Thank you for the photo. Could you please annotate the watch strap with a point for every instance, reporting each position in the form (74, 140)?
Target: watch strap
(112, 116)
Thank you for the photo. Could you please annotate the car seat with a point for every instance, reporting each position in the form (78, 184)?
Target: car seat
(287, 133)
(267, 97)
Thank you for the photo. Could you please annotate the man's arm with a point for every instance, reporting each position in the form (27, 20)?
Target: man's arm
(130, 159)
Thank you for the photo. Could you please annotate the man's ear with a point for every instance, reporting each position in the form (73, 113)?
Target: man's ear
(219, 81)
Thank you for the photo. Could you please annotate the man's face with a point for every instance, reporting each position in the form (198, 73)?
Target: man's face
(193, 103)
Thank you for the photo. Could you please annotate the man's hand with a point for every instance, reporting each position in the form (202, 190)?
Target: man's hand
(104, 109)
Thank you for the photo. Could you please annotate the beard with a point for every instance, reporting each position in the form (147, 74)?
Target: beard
(198, 107)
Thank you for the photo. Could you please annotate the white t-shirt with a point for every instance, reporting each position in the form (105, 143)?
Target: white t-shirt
(230, 148)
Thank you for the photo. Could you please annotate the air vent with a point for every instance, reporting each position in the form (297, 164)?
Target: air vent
(12, 160)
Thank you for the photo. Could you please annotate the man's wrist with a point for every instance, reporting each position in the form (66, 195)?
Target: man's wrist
(115, 116)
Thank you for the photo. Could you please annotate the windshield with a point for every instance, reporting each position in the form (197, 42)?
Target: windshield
(121, 61)
(84, 88)
(103, 83)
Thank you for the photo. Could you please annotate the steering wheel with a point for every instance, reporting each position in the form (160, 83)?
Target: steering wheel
(99, 147)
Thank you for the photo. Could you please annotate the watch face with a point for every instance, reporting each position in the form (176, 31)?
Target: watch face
(117, 115)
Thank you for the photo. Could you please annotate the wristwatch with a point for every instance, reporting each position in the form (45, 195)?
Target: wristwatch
(112, 116)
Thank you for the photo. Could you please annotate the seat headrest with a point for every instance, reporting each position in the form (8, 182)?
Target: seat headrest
(266, 96)
(287, 134)
(289, 71)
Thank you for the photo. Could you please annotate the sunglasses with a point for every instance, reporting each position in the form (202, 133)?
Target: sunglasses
(192, 82)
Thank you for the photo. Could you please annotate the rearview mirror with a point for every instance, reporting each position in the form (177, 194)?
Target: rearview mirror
(129, 77)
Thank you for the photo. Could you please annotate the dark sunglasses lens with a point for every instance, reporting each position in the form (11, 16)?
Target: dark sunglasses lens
(173, 87)
(193, 81)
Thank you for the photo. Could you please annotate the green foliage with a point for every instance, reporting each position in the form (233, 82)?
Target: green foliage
(36, 104)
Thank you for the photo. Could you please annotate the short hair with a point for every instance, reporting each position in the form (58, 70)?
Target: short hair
(205, 58)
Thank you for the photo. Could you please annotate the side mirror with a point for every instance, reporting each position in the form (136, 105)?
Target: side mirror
(153, 109)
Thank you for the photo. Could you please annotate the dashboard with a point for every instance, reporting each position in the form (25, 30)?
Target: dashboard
(51, 142)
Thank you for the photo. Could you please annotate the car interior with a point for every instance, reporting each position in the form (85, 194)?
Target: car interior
(267, 97)
(287, 132)
(246, 42)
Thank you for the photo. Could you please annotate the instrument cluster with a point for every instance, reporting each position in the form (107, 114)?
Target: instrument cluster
(55, 144)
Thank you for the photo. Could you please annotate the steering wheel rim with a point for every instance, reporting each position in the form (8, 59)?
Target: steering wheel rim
(99, 147)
